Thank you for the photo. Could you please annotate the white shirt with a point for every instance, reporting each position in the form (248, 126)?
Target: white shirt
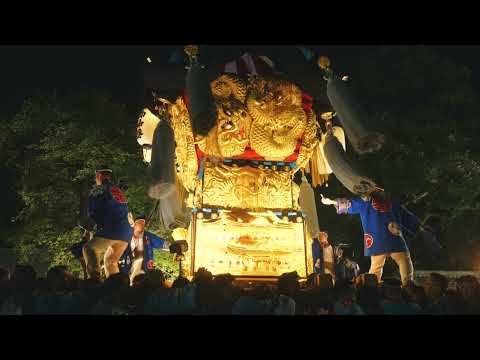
(137, 243)
(328, 254)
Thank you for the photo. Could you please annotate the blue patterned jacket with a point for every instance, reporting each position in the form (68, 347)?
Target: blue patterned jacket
(384, 224)
(108, 208)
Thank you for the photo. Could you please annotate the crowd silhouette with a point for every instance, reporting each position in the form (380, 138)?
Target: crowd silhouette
(60, 293)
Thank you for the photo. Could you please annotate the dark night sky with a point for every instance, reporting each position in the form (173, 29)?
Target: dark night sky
(27, 69)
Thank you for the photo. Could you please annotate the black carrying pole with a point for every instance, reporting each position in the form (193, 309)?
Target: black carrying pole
(201, 105)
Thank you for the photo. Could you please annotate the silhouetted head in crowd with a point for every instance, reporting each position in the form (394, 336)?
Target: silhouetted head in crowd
(24, 277)
(115, 283)
(95, 275)
(59, 279)
(415, 294)
(262, 292)
(138, 281)
(288, 284)
(180, 283)
(204, 295)
(224, 292)
(154, 279)
(392, 290)
(41, 286)
(367, 296)
(317, 305)
(224, 280)
(468, 288)
(367, 289)
(202, 276)
(455, 302)
(223, 284)
(90, 287)
(4, 274)
(320, 281)
(419, 296)
(435, 286)
(409, 291)
(344, 290)
(366, 281)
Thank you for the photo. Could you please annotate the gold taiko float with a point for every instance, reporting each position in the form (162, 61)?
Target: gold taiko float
(237, 180)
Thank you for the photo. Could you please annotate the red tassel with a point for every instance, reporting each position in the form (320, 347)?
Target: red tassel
(307, 102)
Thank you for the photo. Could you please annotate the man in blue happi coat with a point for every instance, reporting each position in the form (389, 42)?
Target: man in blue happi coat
(138, 257)
(384, 224)
(108, 219)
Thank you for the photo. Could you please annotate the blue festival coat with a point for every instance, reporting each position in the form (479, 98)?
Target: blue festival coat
(107, 207)
(383, 224)
(150, 242)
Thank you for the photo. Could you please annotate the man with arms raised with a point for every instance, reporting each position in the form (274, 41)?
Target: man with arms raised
(383, 222)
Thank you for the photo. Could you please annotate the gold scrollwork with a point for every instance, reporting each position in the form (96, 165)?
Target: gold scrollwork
(186, 158)
(246, 188)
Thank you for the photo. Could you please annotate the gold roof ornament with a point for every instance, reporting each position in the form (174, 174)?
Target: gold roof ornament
(327, 116)
(323, 62)
(164, 101)
(191, 50)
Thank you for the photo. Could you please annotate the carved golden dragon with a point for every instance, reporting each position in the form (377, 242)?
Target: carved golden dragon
(257, 113)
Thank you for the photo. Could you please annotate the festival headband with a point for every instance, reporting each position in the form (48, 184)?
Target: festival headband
(103, 170)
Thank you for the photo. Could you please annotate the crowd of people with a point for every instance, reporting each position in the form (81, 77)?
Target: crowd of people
(60, 293)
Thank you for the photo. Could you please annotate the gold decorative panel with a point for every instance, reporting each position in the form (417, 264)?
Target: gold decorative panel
(248, 188)
(249, 244)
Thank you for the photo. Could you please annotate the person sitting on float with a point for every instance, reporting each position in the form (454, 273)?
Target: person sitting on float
(138, 258)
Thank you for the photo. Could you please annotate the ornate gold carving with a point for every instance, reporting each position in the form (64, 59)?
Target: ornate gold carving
(310, 141)
(229, 86)
(230, 136)
(258, 245)
(327, 116)
(323, 62)
(265, 114)
(278, 118)
(186, 158)
(191, 50)
(247, 188)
